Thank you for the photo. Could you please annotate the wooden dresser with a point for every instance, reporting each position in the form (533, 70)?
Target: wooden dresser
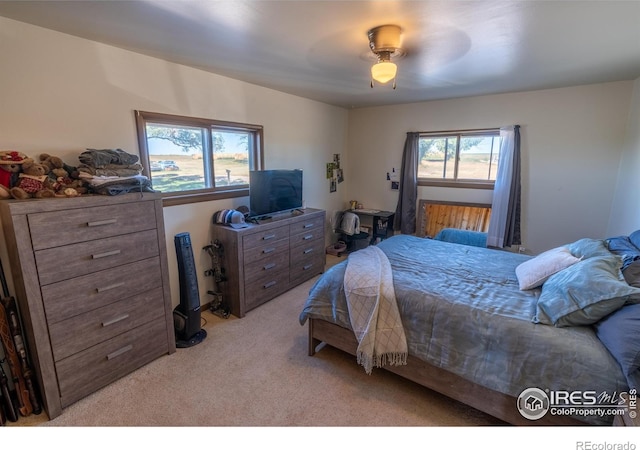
(91, 282)
(264, 260)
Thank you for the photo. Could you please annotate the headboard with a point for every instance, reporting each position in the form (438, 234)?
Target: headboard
(434, 215)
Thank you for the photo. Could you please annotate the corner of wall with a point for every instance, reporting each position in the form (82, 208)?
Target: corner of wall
(624, 215)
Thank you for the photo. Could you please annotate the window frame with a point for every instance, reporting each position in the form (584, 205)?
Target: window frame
(256, 153)
(467, 183)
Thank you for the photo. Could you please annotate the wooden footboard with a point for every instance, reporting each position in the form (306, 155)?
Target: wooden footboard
(494, 403)
(433, 216)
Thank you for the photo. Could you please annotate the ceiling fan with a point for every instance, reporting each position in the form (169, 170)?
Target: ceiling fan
(384, 42)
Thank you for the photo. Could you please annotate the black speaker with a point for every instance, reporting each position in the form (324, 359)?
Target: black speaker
(186, 316)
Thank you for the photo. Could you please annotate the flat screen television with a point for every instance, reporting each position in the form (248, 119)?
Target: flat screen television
(273, 191)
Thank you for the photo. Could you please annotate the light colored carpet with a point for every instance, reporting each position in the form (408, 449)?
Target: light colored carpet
(256, 372)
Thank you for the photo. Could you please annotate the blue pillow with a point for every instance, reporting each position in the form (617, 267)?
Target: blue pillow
(584, 293)
(622, 246)
(635, 238)
(588, 248)
(466, 237)
(619, 333)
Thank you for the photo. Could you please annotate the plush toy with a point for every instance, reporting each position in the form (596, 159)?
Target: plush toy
(31, 181)
(63, 179)
(10, 167)
(55, 166)
(68, 187)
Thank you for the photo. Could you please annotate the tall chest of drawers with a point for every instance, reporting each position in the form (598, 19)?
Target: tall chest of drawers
(264, 260)
(91, 281)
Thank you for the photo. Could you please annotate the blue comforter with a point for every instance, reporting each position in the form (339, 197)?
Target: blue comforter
(463, 311)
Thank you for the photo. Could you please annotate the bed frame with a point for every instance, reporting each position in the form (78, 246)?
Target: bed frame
(491, 402)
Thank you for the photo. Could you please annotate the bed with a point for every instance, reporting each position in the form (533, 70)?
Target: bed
(484, 325)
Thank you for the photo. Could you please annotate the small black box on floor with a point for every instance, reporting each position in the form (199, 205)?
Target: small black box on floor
(356, 241)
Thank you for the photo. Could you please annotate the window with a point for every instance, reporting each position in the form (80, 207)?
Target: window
(190, 159)
(459, 158)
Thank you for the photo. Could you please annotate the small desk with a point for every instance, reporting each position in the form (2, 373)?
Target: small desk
(382, 222)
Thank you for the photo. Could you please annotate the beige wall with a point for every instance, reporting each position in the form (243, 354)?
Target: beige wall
(625, 212)
(60, 94)
(572, 142)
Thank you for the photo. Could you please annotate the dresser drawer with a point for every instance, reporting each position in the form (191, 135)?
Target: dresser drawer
(308, 269)
(267, 250)
(262, 268)
(85, 372)
(263, 238)
(260, 291)
(62, 263)
(57, 228)
(79, 295)
(305, 237)
(314, 223)
(85, 330)
(306, 251)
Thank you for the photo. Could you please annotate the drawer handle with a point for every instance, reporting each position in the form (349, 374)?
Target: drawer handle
(309, 225)
(307, 237)
(307, 267)
(106, 323)
(105, 254)
(268, 236)
(268, 250)
(99, 223)
(111, 286)
(117, 353)
(309, 250)
(269, 266)
(269, 284)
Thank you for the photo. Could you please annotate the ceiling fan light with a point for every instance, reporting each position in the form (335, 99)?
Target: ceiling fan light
(384, 71)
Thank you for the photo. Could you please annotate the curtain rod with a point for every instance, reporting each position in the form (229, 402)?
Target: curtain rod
(459, 131)
(463, 131)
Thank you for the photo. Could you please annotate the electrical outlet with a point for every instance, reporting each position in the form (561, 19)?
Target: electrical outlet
(522, 249)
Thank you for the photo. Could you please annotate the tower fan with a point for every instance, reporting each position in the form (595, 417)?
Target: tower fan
(186, 316)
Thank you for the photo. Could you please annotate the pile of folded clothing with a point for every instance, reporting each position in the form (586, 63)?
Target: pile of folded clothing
(112, 172)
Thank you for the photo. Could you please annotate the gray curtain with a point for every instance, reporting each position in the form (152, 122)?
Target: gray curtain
(405, 218)
(504, 227)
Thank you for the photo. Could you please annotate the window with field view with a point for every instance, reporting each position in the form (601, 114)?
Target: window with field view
(190, 157)
(459, 157)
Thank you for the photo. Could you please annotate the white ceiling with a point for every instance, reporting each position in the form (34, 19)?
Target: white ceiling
(319, 49)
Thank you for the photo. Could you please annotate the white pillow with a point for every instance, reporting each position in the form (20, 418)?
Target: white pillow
(536, 271)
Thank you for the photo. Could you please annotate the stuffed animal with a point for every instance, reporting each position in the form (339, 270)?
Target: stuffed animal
(55, 166)
(68, 187)
(10, 167)
(63, 179)
(31, 181)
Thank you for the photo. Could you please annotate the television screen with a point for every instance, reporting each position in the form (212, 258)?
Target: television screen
(274, 191)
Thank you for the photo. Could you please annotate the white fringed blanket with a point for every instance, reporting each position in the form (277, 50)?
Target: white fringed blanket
(373, 311)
